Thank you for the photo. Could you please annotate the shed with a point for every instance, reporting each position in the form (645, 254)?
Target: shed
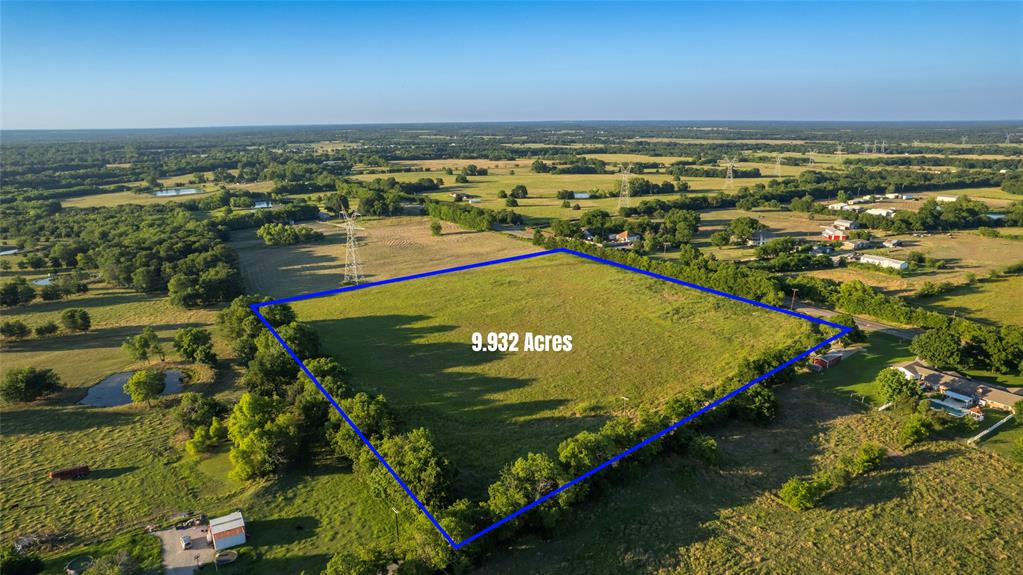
(845, 225)
(833, 234)
(226, 531)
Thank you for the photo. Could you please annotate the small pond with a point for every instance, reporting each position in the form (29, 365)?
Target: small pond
(110, 391)
(176, 192)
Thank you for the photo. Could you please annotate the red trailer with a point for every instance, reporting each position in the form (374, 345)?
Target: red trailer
(70, 473)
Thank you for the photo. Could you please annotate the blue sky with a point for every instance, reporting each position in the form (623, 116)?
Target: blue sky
(124, 65)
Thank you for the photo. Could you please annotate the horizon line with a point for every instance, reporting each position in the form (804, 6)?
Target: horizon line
(506, 122)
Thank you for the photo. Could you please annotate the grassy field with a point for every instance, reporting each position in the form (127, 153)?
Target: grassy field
(994, 299)
(964, 253)
(542, 203)
(389, 247)
(936, 508)
(83, 359)
(634, 337)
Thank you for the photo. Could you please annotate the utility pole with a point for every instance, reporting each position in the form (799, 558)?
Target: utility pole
(729, 174)
(793, 306)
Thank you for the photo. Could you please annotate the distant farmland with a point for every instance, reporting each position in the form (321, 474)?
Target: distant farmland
(637, 341)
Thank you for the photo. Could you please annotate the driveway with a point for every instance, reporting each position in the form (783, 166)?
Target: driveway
(178, 561)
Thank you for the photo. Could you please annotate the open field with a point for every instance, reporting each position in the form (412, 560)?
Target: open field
(937, 500)
(964, 253)
(83, 359)
(648, 342)
(996, 300)
(542, 203)
(389, 247)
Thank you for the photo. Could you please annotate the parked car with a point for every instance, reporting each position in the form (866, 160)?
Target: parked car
(186, 542)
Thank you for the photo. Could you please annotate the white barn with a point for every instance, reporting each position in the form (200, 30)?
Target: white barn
(883, 262)
(226, 531)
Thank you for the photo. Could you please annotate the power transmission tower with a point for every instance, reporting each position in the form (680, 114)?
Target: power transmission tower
(875, 146)
(1007, 139)
(963, 139)
(730, 174)
(353, 266)
(884, 144)
(866, 148)
(777, 167)
(838, 150)
(623, 193)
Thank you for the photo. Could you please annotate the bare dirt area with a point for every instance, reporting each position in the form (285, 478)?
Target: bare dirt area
(180, 561)
(388, 248)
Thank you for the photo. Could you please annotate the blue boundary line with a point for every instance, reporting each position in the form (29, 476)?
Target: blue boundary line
(459, 544)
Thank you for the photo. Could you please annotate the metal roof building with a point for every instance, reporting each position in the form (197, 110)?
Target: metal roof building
(227, 531)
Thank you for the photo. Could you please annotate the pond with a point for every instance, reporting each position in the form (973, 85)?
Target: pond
(110, 391)
(176, 192)
(43, 281)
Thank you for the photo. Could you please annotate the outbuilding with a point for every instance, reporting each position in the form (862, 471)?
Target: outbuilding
(845, 225)
(226, 531)
(834, 234)
(884, 262)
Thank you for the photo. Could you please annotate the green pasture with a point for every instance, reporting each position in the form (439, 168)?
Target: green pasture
(637, 341)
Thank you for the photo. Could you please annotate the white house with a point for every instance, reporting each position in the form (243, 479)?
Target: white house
(838, 207)
(883, 262)
(226, 531)
(845, 225)
(945, 199)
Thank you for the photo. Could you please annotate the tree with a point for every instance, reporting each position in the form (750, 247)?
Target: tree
(196, 410)
(854, 336)
(76, 319)
(337, 203)
(742, 229)
(584, 451)
(1017, 411)
(757, 403)
(144, 345)
(14, 329)
(511, 202)
(525, 481)
(16, 292)
(895, 387)
(939, 347)
(145, 385)
(28, 383)
(195, 345)
(371, 415)
(264, 436)
(414, 458)
(435, 228)
(719, 239)
(14, 563)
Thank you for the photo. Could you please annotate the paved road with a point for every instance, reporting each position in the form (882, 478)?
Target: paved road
(864, 324)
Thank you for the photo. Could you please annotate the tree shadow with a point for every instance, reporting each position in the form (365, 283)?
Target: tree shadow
(31, 420)
(439, 386)
(283, 531)
(641, 523)
(110, 472)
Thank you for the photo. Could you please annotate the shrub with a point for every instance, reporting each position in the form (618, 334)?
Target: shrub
(48, 328)
(915, 429)
(76, 319)
(197, 410)
(868, 457)
(798, 494)
(28, 383)
(14, 329)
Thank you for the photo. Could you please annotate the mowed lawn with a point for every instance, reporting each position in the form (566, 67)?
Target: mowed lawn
(637, 341)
